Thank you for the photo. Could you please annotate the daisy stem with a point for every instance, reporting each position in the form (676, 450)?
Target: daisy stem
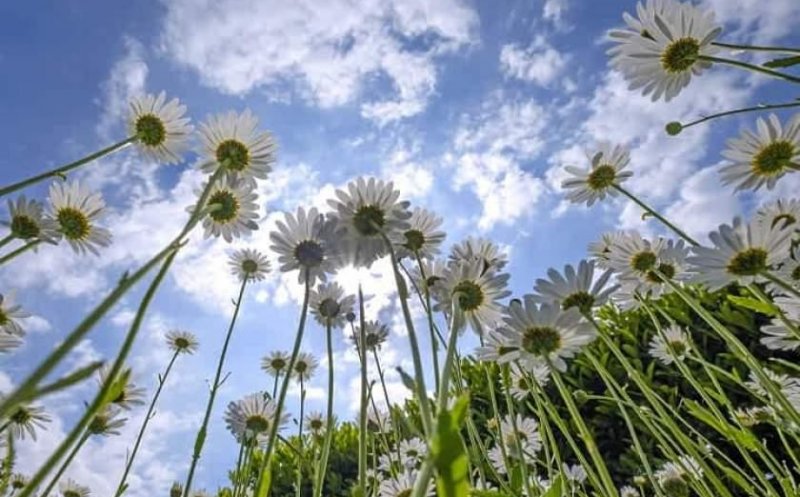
(434, 343)
(27, 388)
(512, 415)
(64, 465)
(656, 215)
(275, 385)
(264, 480)
(19, 251)
(751, 67)
(201, 433)
(756, 48)
(121, 487)
(781, 283)
(60, 171)
(300, 444)
(392, 415)
(740, 111)
(6, 240)
(362, 413)
(322, 467)
(237, 474)
(102, 398)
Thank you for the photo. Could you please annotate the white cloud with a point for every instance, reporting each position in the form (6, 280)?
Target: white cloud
(127, 79)
(553, 10)
(539, 63)
(755, 20)
(504, 126)
(239, 45)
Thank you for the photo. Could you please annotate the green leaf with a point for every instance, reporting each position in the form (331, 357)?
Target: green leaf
(754, 305)
(407, 379)
(555, 488)
(448, 451)
(783, 61)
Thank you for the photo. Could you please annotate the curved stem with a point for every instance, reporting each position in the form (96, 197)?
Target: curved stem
(751, 67)
(60, 171)
(656, 215)
(64, 465)
(740, 111)
(322, 468)
(19, 251)
(300, 444)
(755, 48)
(429, 312)
(162, 380)
(201, 434)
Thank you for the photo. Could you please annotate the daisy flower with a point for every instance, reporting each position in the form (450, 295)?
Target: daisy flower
(423, 237)
(375, 334)
(401, 485)
(10, 313)
(235, 210)
(526, 431)
(75, 211)
(329, 305)
(129, 395)
(600, 250)
(29, 222)
(71, 488)
(575, 289)
(788, 272)
(306, 241)
(161, 132)
(789, 306)
(481, 249)
(659, 51)
(671, 344)
(251, 418)
(542, 335)
(315, 421)
(275, 363)
(634, 257)
(478, 293)
(26, 419)
(628, 491)
(107, 422)
(366, 210)
(176, 490)
(305, 366)
(741, 253)
(182, 341)
(752, 416)
(607, 169)
(778, 336)
(18, 481)
(788, 385)
(379, 421)
(762, 158)
(233, 143)
(781, 214)
(574, 473)
(521, 381)
(9, 342)
(671, 479)
(412, 451)
(249, 264)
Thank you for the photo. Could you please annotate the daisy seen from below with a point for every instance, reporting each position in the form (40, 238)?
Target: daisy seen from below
(368, 210)
(9, 342)
(788, 385)
(606, 172)
(305, 366)
(160, 131)
(671, 266)
(18, 481)
(107, 422)
(316, 423)
(129, 394)
(574, 473)
(600, 250)
(182, 342)
(329, 305)
(575, 289)
(233, 210)
(762, 158)
(76, 211)
(522, 429)
(628, 491)
(251, 417)
(431, 274)
(742, 253)
(306, 241)
(478, 293)
(375, 334)
(71, 488)
(10, 314)
(542, 334)
(234, 143)
(401, 485)
(782, 213)
(481, 249)
(249, 264)
(670, 345)
(275, 363)
(522, 380)
(635, 258)
(423, 236)
(662, 49)
(26, 419)
(29, 222)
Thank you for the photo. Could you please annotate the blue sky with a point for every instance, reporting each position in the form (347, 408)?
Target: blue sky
(472, 108)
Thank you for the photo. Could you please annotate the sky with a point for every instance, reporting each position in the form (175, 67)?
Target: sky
(470, 107)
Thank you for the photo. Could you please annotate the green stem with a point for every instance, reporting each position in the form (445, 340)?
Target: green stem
(751, 67)
(19, 251)
(266, 463)
(740, 111)
(121, 487)
(434, 342)
(300, 444)
(202, 432)
(512, 415)
(656, 215)
(394, 416)
(237, 475)
(6, 240)
(322, 468)
(65, 465)
(362, 413)
(60, 171)
(755, 48)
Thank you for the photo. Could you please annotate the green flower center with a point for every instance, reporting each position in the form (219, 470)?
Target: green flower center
(602, 177)
(678, 347)
(404, 493)
(21, 416)
(680, 55)
(309, 253)
(414, 240)
(582, 300)
(795, 275)
(675, 487)
(150, 130)
(18, 483)
(329, 308)
(368, 220)
(644, 261)
(99, 425)
(668, 270)
(541, 340)
(256, 424)
(315, 424)
(181, 343)
(301, 367)
(71, 493)
(470, 295)
(74, 223)
(233, 155)
(278, 364)
(24, 227)
(249, 266)
(4, 319)
(749, 262)
(773, 158)
(373, 340)
(228, 206)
